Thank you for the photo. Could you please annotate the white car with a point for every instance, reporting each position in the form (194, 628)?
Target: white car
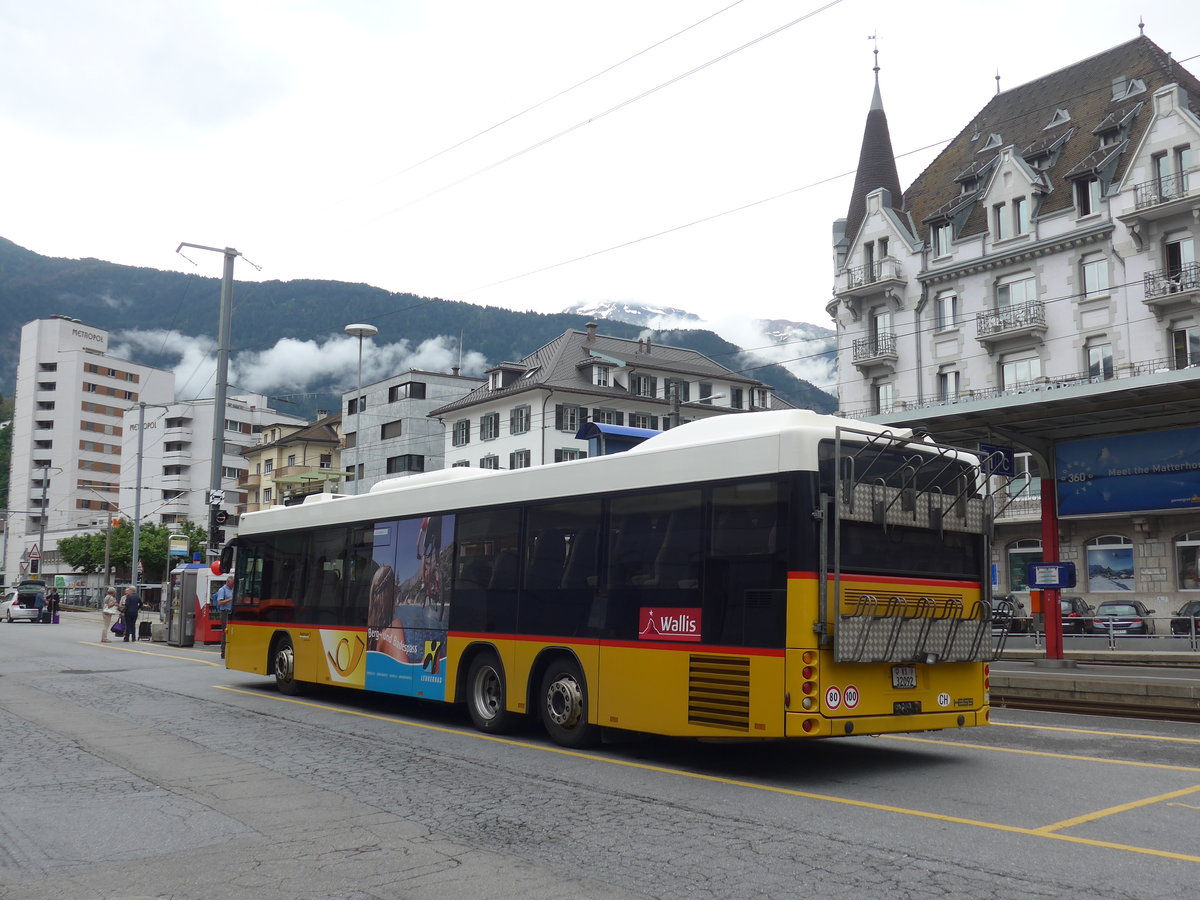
(16, 607)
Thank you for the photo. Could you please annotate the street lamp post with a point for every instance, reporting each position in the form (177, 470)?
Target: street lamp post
(359, 331)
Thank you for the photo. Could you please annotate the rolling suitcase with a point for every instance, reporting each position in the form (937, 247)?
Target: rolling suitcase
(144, 630)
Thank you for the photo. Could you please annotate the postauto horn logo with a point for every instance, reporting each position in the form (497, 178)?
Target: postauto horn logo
(669, 624)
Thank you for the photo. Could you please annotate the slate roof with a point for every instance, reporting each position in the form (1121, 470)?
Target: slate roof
(1020, 117)
(876, 166)
(323, 431)
(564, 364)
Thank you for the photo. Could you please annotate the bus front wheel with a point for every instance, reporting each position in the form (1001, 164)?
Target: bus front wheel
(283, 664)
(564, 705)
(486, 695)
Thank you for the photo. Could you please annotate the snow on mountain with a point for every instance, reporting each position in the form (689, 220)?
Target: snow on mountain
(807, 351)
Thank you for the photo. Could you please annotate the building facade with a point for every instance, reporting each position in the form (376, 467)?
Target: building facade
(176, 447)
(290, 461)
(389, 432)
(68, 447)
(1050, 247)
(528, 412)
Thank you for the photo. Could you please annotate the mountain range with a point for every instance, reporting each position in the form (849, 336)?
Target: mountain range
(287, 337)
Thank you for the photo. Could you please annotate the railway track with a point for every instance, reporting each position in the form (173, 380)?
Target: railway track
(1095, 707)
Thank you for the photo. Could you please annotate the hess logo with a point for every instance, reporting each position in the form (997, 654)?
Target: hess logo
(669, 624)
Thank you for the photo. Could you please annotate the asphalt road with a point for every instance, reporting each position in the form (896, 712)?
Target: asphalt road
(143, 770)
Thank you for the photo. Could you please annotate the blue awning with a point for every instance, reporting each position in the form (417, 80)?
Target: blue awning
(607, 439)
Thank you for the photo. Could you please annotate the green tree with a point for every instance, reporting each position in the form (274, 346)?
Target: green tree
(85, 552)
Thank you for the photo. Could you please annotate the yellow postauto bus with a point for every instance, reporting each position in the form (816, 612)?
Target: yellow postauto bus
(767, 575)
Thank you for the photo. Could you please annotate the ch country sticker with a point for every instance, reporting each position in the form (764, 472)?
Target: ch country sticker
(669, 624)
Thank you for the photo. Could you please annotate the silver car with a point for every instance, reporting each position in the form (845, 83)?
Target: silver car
(18, 607)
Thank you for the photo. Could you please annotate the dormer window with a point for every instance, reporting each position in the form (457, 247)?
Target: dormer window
(1061, 117)
(994, 140)
(942, 234)
(602, 376)
(1108, 138)
(495, 381)
(1087, 196)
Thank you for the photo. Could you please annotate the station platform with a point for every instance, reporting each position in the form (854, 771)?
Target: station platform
(1166, 688)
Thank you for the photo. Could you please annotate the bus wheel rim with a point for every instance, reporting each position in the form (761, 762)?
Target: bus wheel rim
(564, 702)
(488, 693)
(284, 663)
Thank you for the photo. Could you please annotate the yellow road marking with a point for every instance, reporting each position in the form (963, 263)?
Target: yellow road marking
(1045, 753)
(1114, 810)
(1119, 734)
(195, 659)
(731, 782)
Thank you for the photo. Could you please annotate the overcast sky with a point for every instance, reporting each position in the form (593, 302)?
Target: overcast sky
(531, 155)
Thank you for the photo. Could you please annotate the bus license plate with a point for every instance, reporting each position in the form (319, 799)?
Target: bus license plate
(904, 676)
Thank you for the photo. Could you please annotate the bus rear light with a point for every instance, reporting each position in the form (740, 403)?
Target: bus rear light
(810, 725)
(808, 703)
(807, 673)
(808, 656)
(808, 687)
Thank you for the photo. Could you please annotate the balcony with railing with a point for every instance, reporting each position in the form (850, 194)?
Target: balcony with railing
(873, 351)
(1167, 189)
(1172, 286)
(873, 278)
(1023, 320)
(1160, 366)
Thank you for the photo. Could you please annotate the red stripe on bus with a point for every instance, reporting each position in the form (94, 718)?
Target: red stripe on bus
(890, 579)
(687, 646)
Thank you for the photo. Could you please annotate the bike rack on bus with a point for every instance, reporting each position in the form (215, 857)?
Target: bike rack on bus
(890, 480)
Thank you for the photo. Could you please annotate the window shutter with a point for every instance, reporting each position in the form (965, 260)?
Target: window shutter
(654, 422)
(558, 416)
(619, 418)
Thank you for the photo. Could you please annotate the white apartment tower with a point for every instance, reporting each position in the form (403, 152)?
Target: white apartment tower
(68, 437)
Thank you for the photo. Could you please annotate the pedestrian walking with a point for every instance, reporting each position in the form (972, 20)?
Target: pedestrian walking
(108, 611)
(130, 605)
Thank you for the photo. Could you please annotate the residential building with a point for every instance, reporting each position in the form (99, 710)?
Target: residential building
(68, 447)
(289, 462)
(1048, 252)
(397, 435)
(176, 456)
(529, 412)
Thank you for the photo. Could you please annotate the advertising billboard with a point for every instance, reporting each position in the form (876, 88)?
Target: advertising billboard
(1153, 472)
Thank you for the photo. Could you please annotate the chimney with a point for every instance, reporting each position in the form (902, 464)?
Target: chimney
(454, 370)
(591, 332)
(641, 346)
(322, 413)
(647, 345)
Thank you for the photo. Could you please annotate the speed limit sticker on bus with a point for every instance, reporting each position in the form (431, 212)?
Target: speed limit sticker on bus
(850, 696)
(833, 697)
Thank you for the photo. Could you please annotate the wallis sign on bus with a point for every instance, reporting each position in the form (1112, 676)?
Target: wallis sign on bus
(669, 624)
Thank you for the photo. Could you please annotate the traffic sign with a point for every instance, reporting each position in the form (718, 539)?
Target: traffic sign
(220, 516)
(216, 497)
(34, 553)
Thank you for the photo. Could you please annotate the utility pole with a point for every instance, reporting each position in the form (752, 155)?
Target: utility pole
(216, 495)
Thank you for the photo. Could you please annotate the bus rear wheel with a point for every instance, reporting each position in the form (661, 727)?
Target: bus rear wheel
(564, 705)
(283, 664)
(487, 695)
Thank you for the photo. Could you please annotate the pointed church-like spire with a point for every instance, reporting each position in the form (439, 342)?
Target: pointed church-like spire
(876, 163)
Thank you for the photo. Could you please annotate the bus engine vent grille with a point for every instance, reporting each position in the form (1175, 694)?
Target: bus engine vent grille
(719, 692)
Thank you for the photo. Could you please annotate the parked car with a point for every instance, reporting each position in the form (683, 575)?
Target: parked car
(1189, 611)
(1009, 614)
(1076, 615)
(19, 606)
(1123, 617)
